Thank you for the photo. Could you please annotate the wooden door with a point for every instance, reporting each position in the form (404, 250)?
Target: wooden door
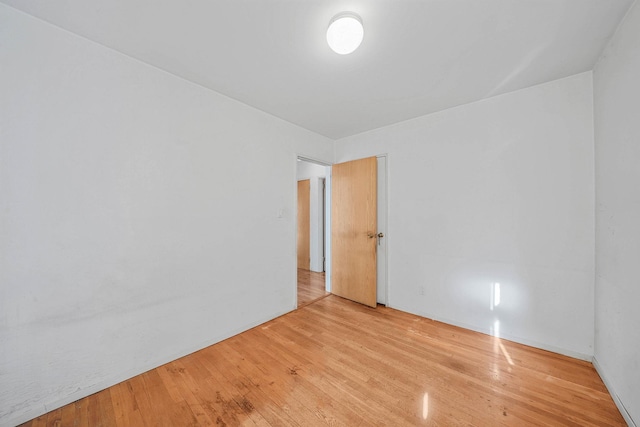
(304, 224)
(354, 230)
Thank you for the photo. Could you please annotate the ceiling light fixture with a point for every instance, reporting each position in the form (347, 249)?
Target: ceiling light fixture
(345, 33)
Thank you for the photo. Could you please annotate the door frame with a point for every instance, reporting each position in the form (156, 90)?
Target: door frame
(327, 223)
(385, 226)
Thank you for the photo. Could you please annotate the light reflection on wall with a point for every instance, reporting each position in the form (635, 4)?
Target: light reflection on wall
(495, 295)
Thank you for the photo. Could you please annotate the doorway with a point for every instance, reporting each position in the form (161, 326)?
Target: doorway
(311, 169)
(311, 248)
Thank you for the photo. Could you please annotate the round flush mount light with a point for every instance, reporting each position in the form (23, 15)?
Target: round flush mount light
(345, 33)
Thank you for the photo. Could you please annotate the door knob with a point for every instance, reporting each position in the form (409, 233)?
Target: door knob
(380, 235)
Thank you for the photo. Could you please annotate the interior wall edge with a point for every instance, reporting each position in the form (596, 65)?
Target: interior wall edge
(616, 399)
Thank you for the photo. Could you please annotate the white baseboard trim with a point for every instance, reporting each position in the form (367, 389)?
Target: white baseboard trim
(508, 337)
(614, 396)
(42, 407)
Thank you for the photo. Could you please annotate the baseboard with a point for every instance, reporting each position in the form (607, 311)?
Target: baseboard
(508, 337)
(614, 396)
(40, 408)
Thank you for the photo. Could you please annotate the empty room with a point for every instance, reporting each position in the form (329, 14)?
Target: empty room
(300, 213)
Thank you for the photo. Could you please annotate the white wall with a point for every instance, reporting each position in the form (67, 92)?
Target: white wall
(139, 216)
(617, 142)
(308, 170)
(495, 191)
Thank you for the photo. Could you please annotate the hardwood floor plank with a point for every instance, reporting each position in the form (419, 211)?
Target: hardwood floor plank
(142, 402)
(311, 287)
(82, 418)
(350, 378)
(92, 411)
(54, 418)
(213, 396)
(197, 371)
(280, 391)
(352, 381)
(68, 416)
(106, 414)
(177, 376)
(171, 412)
(324, 406)
(338, 363)
(125, 407)
(217, 362)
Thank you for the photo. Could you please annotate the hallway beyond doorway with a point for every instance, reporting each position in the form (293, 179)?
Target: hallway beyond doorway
(311, 287)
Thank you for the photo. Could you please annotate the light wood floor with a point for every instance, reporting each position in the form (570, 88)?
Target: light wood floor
(338, 363)
(311, 287)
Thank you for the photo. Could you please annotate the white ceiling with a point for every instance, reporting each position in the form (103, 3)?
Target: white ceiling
(417, 57)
